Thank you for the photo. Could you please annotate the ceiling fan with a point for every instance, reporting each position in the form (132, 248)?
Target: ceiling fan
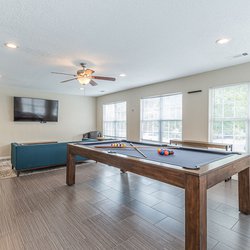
(84, 76)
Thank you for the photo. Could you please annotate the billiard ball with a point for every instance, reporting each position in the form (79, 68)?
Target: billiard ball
(162, 151)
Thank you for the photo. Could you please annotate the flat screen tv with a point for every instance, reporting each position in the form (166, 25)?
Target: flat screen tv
(34, 109)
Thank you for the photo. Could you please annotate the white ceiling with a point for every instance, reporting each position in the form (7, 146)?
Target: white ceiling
(148, 40)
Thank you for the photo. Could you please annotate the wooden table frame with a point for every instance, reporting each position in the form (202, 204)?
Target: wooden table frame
(195, 183)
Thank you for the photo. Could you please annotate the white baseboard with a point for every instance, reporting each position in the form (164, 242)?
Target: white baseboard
(4, 158)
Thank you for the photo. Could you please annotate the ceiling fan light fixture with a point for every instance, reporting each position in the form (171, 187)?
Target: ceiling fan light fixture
(84, 76)
(83, 80)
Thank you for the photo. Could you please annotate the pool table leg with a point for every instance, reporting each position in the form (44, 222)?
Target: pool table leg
(244, 191)
(196, 212)
(71, 169)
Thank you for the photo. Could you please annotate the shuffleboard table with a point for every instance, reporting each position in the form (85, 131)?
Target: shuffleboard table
(194, 170)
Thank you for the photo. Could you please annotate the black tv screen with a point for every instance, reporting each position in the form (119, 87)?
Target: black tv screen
(34, 109)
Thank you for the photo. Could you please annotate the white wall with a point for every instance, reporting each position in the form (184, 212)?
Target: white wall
(195, 106)
(76, 115)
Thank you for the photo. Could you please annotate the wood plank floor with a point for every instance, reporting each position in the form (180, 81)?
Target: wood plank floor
(109, 210)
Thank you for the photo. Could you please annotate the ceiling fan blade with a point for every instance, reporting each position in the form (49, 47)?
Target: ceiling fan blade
(103, 78)
(69, 80)
(93, 83)
(59, 73)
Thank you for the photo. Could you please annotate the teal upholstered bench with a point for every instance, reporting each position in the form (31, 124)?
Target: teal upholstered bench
(39, 155)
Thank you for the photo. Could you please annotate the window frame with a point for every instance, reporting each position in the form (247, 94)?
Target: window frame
(115, 121)
(211, 117)
(161, 120)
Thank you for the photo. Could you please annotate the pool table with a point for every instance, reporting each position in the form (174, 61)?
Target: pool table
(194, 170)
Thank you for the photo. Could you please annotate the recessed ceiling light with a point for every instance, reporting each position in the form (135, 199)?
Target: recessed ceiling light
(122, 75)
(223, 40)
(81, 88)
(11, 45)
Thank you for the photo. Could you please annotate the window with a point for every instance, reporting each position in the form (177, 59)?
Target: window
(229, 115)
(114, 120)
(161, 118)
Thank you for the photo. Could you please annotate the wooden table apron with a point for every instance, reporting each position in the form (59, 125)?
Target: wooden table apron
(195, 183)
